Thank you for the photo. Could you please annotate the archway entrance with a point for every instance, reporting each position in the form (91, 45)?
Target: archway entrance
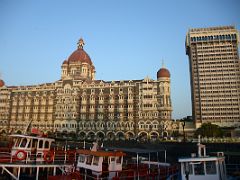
(19, 132)
(82, 135)
(100, 136)
(91, 136)
(129, 135)
(143, 136)
(120, 136)
(165, 134)
(154, 136)
(111, 136)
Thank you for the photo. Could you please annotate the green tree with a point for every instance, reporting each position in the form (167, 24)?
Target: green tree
(209, 130)
(175, 134)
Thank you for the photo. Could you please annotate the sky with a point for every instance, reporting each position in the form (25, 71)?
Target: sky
(126, 39)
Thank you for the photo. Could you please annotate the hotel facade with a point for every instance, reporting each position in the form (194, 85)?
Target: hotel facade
(87, 108)
(215, 75)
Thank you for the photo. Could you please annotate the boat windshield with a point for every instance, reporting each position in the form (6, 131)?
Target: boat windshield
(211, 167)
(119, 160)
(95, 160)
(199, 169)
(89, 159)
(21, 142)
(188, 168)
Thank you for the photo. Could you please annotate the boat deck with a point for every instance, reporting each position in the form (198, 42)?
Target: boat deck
(35, 164)
(9, 167)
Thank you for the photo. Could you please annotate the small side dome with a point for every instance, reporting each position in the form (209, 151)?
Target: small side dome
(163, 72)
(65, 62)
(2, 83)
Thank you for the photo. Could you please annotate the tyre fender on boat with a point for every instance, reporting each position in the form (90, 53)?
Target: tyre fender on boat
(48, 156)
(21, 155)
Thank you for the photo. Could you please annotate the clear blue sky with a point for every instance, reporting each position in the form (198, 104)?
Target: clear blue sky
(126, 39)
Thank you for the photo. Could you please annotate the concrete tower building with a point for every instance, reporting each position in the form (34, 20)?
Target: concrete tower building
(215, 75)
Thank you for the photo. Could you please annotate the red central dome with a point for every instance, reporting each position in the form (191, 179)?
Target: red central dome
(163, 72)
(79, 56)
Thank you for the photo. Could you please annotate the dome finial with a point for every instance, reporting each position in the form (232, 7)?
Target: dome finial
(163, 66)
(80, 43)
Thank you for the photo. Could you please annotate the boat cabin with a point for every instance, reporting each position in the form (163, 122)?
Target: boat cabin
(203, 167)
(26, 146)
(98, 160)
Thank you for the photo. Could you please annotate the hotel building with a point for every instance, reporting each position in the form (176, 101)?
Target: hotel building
(78, 104)
(215, 75)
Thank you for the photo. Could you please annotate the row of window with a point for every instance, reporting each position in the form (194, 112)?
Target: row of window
(222, 115)
(97, 124)
(108, 97)
(219, 45)
(106, 107)
(221, 119)
(214, 37)
(211, 87)
(111, 90)
(219, 91)
(220, 109)
(33, 93)
(216, 50)
(33, 125)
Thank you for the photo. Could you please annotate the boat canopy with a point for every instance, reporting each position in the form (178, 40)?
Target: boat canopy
(30, 137)
(100, 153)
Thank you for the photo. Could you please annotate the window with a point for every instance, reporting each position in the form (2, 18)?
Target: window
(211, 167)
(24, 142)
(89, 159)
(188, 168)
(40, 144)
(81, 159)
(199, 169)
(95, 160)
(118, 160)
(46, 144)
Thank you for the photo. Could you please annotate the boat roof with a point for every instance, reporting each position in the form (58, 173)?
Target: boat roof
(137, 150)
(198, 159)
(100, 153)
(155, 163)
(30, 137)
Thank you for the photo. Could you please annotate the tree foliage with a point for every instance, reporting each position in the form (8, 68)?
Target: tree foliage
(209, 130)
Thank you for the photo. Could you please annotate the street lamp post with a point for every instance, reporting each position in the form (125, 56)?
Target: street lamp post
(184, 136)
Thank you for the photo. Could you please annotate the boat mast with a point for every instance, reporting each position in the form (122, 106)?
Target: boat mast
(25, 132)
